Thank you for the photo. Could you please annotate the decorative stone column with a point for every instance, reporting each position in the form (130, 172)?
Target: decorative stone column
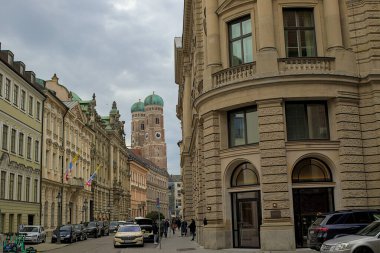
(267, 54)
(332, 24)
(188, 212)
(212, 36)
(186, 107)
(213, 182)
(275, 190)
(351, 172)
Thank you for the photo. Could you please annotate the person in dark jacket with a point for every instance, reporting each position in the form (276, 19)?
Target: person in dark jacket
(192, 228)
(155, 232)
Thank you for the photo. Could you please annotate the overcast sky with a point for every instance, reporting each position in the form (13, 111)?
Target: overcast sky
(121, 50)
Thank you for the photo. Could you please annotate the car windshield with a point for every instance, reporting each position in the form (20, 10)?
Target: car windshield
(100, 223)
(77, 226)
(129, 229)
(114, 223)
(121, 223)
(91, 224)
(30, 229)
(370, 230)
(65, 228)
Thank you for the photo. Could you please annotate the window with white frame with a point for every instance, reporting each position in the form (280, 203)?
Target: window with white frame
(21, 144)
(1, 85)
(27, 189)
(35, 190)
(38, 110)
(36, 150)
(5, 137)
(13, 140)
(30, 105)
(2, 184)
(19, 187)
(23, 98)
(29, 148)
(7, 89)
(15, 94)
(11, 186)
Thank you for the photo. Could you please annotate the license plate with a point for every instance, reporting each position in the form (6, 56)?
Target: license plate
(127, 241)
(146, 235)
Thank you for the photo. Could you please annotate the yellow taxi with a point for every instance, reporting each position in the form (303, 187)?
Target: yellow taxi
(128, 235)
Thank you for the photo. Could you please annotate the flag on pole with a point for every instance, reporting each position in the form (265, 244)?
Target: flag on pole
(71, 165)
(89, 181)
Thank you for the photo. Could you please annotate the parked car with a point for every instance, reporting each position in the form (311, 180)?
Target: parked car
(34, 234)
(114, 226)
(365, 241)
(146, 225)
(104, 228)
(67, 234)
(81, 232)
(329, 225)
(128, 235)
(93, 229)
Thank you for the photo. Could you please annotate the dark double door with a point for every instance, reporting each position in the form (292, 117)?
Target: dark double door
(246, 219)
(308, 203)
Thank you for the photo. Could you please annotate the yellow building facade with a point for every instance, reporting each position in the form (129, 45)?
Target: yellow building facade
(278, 105)
(21, 104)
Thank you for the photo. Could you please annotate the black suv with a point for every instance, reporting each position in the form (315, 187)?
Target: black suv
(93, 229)
(330, 225)
(104, 227)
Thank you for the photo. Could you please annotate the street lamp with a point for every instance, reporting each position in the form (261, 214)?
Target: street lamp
(59, 198)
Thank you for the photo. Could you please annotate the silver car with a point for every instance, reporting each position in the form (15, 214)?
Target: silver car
(34, 234)
(365, 241)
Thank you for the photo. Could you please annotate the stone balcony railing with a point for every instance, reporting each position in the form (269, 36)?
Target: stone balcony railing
(306, 65)
(234, 75)
(76, 182)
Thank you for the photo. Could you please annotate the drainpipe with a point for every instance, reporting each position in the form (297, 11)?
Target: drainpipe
(42, 139)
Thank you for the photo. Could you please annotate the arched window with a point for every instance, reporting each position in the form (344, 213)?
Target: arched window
(311, 170)
(244, 174)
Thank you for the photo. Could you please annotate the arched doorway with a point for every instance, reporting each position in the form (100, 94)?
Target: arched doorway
(313, 193)
(246, 211)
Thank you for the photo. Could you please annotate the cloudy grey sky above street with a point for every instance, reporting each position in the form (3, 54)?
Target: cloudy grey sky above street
(121, 50)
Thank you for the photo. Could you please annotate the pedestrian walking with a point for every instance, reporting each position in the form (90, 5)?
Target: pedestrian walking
(166, 228)
(155, 232)
(193, 228)
(20, 227)
(173, 226)
(184, 228)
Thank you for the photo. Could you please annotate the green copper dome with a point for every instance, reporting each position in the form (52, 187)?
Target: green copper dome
(138, 107)
(154, 100)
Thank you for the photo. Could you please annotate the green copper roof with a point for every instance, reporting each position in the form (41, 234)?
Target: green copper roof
(137, 107)
(75, 97)
(154, 100)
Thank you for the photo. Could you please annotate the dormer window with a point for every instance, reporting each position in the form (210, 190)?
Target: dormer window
(240, 41)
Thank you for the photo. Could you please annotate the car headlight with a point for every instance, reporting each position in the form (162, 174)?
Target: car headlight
(342, 246)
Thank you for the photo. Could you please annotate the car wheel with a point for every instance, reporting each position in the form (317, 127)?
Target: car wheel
(363, 250)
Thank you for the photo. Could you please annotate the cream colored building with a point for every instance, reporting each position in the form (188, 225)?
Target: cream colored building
(21, 103)
(278, 104)
(66, 136)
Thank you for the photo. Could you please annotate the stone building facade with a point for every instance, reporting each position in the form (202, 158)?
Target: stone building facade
(21, 103)
(278, 104)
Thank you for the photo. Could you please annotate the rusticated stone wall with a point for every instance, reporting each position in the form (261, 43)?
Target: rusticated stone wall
(188, 211)
(351, 167)
(213, 178)
(370, 126)
(274, 172)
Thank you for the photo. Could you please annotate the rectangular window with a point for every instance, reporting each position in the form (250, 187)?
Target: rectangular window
(2, 184)
(1, 85)
(307, 120)
(5, 137)
(29, 148)
(19, 187)
(35, 190)
(243, 127)
(7, 89)
(36, 150)
(23, 98)
(38, 111)
(21, 144)
(11, 185)
(13, 140)
(15, 95)
(27, 189)
(299, 32)
(31, 105)
(240, 41)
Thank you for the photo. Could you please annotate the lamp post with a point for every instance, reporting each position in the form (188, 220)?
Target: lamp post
(59, 198)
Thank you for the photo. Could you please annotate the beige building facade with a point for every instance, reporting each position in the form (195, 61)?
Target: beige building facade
(278, 105)
(21, 103)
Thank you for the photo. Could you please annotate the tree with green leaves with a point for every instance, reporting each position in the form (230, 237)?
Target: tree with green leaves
(154, 215)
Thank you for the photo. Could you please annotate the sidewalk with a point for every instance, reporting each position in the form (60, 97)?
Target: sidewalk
(42, 247)
(176, 243)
